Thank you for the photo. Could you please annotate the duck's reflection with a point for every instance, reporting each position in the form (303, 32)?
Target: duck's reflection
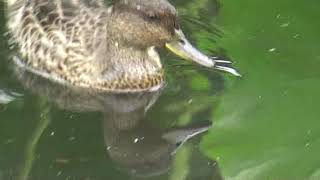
(133, 143)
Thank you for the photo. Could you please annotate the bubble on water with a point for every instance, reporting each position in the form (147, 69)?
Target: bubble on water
(136, 140)
(272, 49)
(218, 158)
(9, 141)
(72, 138)
(309, 132)
(284, 25)
(296, 36)
(307, 145)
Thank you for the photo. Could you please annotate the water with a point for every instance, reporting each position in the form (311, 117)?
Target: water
(264, 125)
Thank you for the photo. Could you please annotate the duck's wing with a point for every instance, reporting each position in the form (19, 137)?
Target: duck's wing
(45, 16)
(77, 20)
(62, 9)
(57, 36)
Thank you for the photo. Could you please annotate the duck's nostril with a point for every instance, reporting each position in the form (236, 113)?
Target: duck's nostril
(182, 41)
(154, 17)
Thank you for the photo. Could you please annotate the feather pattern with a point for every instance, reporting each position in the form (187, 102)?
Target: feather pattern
(59, 35)
(61, 39)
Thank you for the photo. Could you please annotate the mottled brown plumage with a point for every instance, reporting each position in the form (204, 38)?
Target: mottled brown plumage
(87, 44)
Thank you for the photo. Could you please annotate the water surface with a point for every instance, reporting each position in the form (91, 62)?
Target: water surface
(264, 125)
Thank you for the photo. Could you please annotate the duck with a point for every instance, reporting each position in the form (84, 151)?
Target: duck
(91, 44)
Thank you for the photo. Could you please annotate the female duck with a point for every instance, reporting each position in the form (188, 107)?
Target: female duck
(86, 44)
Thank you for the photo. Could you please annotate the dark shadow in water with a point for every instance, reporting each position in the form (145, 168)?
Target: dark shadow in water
(135, 146)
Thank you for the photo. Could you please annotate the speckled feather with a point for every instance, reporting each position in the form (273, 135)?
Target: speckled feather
(67, 40)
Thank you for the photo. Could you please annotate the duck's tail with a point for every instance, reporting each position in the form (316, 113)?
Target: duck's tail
(13, 5)
(11, 2)
(14, 9)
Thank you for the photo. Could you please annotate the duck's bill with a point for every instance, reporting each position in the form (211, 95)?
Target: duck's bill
(184, 49)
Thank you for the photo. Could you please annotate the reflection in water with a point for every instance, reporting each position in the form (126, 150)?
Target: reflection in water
(133, 143)
(7, 97)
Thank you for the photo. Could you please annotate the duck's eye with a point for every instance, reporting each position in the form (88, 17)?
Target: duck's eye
(153, 17)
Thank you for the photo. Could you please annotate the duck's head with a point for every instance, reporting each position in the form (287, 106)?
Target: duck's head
(144, 23)
(153, 23)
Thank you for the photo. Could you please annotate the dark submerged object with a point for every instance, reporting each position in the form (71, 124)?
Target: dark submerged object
(86, 44)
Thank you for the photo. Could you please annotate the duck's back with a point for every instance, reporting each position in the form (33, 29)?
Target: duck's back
(57, 37)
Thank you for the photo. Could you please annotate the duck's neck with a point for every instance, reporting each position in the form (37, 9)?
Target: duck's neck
(130, 67)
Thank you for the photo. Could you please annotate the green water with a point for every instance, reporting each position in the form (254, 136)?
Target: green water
(265, 125)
